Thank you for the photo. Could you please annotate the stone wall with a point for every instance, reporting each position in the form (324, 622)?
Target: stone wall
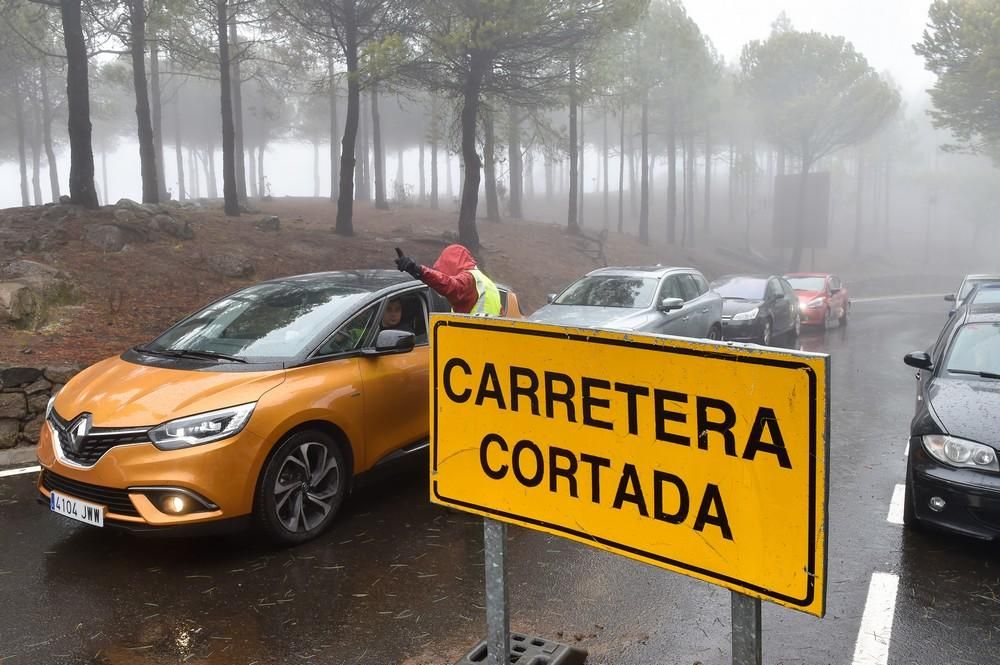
(24, 392)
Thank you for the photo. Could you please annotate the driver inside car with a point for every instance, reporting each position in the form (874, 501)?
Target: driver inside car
(392, 316)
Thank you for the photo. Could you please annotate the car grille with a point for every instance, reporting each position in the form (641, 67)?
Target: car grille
(97, 442)
(117, 501)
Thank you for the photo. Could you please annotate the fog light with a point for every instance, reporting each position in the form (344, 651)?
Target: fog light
(174, 504)
(936, 503)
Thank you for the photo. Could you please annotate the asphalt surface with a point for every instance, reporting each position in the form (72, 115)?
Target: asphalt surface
(398, 580)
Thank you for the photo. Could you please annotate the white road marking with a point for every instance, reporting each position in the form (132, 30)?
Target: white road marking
(896, 505)
(909, 296)
(872, 647)
(21, 471)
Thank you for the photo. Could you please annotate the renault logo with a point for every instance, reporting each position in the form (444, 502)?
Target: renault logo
(77, 432)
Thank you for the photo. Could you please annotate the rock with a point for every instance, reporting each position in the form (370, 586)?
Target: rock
(33, 430)
(129, 204)
(19, 305)
(108, 237)
(124, 216)
(65, 200)
(14, 405)
(172, 227)
(60, 374)
(38, 386)
(8, 433)
(19, 376)
(37, 403)
(23, 268)
(230, 265)
(271, 223)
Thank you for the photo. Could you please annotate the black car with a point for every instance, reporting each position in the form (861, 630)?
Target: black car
(952, 472)
(758, 308)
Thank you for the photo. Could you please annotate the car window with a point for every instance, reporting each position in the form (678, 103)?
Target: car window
(976, 348)
(701, 282)
(351, 335)
(671, 288)
(987, 296)
(789, 291)
(688, 287)
(773, 289)
(835, 283)
(609, 291)
(406, 312)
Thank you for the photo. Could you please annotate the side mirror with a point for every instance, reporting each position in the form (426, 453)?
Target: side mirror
(551, 298)
(393, 341)
(669, 304)
(918, 359)
(950, 297)
(779, 296)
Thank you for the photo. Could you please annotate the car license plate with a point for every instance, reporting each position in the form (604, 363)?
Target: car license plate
(81, 511)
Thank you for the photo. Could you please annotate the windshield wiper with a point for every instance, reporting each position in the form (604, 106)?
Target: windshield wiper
(189, 353)
(985, 375)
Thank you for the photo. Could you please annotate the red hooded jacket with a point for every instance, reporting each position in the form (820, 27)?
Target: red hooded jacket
(451, 278)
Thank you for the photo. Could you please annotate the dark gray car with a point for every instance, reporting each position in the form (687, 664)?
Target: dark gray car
(658, 299)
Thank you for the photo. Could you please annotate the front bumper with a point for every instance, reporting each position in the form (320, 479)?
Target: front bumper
(743, 331)
(222, 475)
(972, 498)
(813, 317)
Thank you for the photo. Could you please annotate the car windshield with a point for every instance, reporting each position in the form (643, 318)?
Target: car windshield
(610, 291)
(273, 321)
(975, 350)
(970, 284)
(741, 288)
(807, 283)
(987, 296)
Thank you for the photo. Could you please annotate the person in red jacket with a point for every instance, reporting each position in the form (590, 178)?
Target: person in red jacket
(456, 277)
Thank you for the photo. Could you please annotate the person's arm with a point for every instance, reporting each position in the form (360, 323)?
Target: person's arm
(457, 290)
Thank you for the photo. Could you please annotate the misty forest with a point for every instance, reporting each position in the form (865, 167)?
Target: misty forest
(610, 116)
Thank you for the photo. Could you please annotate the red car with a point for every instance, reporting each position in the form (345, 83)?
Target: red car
(823, 298)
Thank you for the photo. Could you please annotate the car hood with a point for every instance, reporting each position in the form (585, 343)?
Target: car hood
(119, 393)
(968, 409)
(806, 296)
(730, 307)
(617, 318)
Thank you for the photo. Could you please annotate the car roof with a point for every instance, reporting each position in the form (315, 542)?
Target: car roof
(982, 276)
(363, 280)
(747, 276)
(809, 274)
(640, 271)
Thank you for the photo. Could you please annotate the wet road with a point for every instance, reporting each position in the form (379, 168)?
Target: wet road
(400, 581)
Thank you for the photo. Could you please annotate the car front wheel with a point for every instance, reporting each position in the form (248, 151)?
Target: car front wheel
(765, 337)
(715, 333)
(302, 488)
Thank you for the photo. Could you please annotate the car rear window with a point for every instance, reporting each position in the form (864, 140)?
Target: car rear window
(609, 291)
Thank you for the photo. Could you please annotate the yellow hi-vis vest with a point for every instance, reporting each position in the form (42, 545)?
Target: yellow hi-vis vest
(489, 296)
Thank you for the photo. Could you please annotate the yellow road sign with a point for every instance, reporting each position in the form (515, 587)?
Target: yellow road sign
(704, 459)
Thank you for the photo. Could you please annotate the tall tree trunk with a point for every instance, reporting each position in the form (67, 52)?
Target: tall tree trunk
(572, 222)
(195, 173)
(633, 182)
(50, 153)
(345, 201)
(380, 199)
(252, 179)
(691, 181)
(604, 172)
(334, 132)
(490, 168)
(156, 115)
(583, 183)
(212, 177)
(449, 189)
(21, 148)
(147, 148)
(229, 188)
(364, 178)
(422, 175)
(529, 176)
(178, 151)
(81, 170)
(237, 92)
(515, 165)
(859, 206)
(621, 171)
(36, 147)
(708, 179)
(644, 178)
(434, 169)
(671, 174)
(468, 235)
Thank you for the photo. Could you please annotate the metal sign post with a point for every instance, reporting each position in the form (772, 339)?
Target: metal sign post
(746, 630)
(497, 613)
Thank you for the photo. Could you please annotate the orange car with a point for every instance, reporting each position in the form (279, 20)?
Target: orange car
(262, 407)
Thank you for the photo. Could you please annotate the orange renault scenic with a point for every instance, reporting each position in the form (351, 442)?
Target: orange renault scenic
(262, 407)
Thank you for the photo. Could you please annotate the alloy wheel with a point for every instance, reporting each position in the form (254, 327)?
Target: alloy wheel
(307, 487)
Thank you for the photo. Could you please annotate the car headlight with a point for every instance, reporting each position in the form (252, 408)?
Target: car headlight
(747, 316)
(815, 303)
(48, 407)
(959, 452)
(203, 428)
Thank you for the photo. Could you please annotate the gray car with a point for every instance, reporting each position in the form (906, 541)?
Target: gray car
(658, 299)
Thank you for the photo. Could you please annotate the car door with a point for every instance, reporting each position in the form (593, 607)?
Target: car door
(778, 306)
(791, 301)
(695, 307)
(838, 296)
(395, 386)
(675, 321)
